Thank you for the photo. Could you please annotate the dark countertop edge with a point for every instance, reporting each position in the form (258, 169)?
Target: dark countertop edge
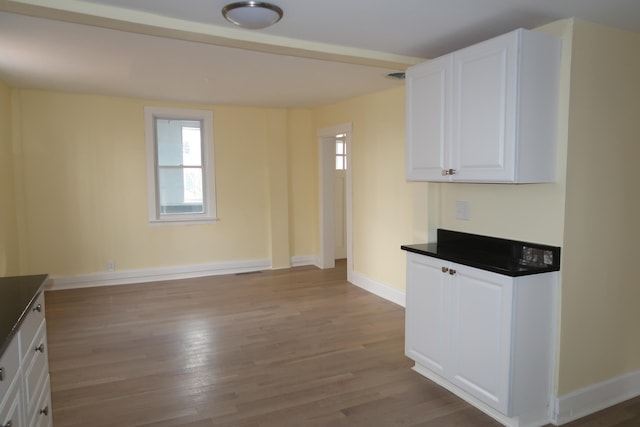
(480, 265)
(25, 311)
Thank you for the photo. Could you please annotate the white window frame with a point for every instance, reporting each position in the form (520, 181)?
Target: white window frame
(208, 166)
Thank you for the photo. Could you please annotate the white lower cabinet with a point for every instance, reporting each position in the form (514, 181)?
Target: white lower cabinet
(25, 396)
(41, 417)
(483, 335)
(11, 408)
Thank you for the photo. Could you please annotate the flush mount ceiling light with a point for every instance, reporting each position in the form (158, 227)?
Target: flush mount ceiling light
(252, 14)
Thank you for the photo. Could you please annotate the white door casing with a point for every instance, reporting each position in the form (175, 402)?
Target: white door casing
(339, 214)
(326, 167)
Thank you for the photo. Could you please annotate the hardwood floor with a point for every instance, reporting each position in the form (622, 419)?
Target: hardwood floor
(295, 347)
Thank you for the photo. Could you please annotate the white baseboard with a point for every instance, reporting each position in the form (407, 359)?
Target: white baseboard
(596, 397)
(302, 260)
(377, 288)
(156, 274)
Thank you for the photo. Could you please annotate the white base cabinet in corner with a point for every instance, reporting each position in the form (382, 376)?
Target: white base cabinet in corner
(485, 336)
(486, 113)
(25, 396)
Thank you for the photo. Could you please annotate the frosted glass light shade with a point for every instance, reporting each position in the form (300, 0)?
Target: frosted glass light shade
(252, 14)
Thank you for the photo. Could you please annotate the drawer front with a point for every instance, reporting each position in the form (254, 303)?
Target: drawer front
(30, 325)
(11, 408)
(36, 368)
(9, 365)
(41, 416)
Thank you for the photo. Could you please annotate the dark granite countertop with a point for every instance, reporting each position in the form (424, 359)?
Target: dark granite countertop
(503, 256)
(17, 294)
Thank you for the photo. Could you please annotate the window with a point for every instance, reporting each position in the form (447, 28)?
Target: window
(180, 167)
(341, 152)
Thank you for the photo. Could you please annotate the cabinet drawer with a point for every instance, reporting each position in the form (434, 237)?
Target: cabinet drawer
(9, 365)
(41, 415)
(31, 324)
(36, 368)
(11, 408)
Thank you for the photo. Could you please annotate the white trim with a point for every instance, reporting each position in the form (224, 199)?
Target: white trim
(332, 131)
(349, 203)
(379, 289)
(302, 260)
(595, 398)
(156, 274)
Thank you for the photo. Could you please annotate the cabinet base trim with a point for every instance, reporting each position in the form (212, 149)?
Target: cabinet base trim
(536, 419)
(596, 397)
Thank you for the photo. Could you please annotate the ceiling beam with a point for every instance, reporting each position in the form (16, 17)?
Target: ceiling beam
(121, 19)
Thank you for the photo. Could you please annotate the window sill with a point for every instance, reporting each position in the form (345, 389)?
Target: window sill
(183, 221)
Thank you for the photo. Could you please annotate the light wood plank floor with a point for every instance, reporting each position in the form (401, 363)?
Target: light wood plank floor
(294, 347)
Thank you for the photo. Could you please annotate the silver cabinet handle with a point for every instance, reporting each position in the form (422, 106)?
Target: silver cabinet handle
(45, 411)
(1, 374)
(445, 269)
(40, 348)
(452, 272)
(38, 308)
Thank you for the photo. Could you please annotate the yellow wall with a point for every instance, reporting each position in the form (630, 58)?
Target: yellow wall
(382, 199)
(85, 188)
(600, 292)
(303, 187)
(8, 226)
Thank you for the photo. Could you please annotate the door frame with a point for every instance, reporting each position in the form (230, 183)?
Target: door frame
(326, 165)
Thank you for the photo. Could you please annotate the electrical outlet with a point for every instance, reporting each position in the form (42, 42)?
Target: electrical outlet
(462, 210)
(111, 265)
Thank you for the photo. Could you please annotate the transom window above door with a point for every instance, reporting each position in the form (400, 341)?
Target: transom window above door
(341, 152)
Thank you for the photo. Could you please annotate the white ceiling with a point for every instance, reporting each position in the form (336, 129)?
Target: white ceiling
(319, 53)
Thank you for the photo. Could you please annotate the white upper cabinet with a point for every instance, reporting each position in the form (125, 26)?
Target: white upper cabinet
(486, 113)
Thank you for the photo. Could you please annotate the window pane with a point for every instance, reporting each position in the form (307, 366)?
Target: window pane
(179, 142)
(180, 190)
(191, 146)
(339, 163)
(192, 185)
(340, 147)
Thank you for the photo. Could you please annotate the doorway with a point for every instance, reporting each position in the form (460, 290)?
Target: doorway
(340, 198)
(334, 145)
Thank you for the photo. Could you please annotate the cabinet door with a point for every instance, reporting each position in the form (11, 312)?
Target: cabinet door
(484, 89)
(426, 329)
(481, 334)
(428, 119)
(11, 410)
